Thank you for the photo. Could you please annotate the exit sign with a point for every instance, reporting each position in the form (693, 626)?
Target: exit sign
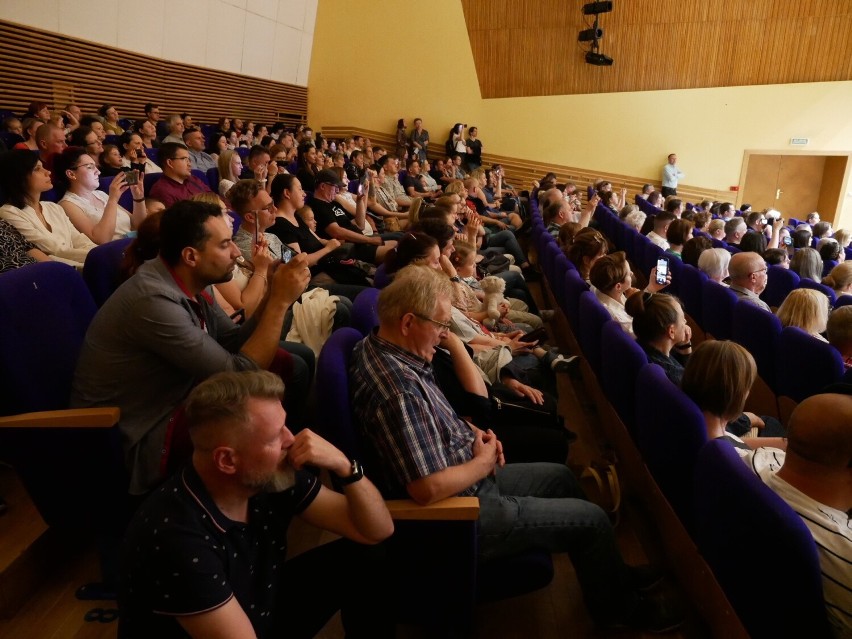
(799, 141)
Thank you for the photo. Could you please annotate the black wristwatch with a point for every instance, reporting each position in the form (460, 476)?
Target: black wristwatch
(356, 474)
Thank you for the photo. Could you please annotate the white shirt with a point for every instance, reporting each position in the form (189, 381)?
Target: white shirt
(671, 174)
(616, 310)
(659, 240)
(96, 211)
(832, 534)
(62, 242)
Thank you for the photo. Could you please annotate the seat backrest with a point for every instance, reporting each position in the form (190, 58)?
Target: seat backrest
(213, 179)
(779, 282)
(670, 430)
(101, 270)
(202, 175)
(690, 291)
(734, 509)
(717, 304)
(365, 315)
(334, 417)
(45, 310)
(621, 360)
(817, 286)
(758, 331)
(574, 287)
(592, 317)
(153, 155)
(843, 300)
(805, 365)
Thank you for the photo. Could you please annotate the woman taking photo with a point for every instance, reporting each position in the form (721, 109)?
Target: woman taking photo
(92, 212)
(44, 224)
(133, 154)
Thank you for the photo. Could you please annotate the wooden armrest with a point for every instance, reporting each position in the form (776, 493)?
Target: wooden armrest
(452, 508)
(69, 418)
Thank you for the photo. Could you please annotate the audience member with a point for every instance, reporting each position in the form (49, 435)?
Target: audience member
(193, 138)
(109, 162)
(230, 168)
(753, 242)
(84, 137)
(840, 279)
(133, 154)
(693, 249)
(406, 419)
(802, 237)
(661, 330)
(807, 309)
(50, 140)
(716, 229)
(814, 481)
(248, 477)
(777, 257)
(661, 222)
(735, 229)
(714, 263)
(161, 333)
(677, 234)
(177, 182)
(807, 263)
(15, 251)
(839, 333)
(45, 225)
(612, 282)
(749, 274)
(97, 214)
(587, 246)
(109, 118)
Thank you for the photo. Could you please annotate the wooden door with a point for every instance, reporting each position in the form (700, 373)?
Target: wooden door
(789, 183)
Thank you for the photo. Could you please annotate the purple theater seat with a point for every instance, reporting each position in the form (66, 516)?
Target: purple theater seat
(811, 366)
(621, 360)
(817, 286)
(718, 304)
(101, 270)
(732, 504)
(779, 282)
(592, 317)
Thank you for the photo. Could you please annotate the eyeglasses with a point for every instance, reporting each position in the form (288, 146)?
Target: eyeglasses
(269, 208)
(89, 166)
(444, 326)
(183, 158)
(765, 269)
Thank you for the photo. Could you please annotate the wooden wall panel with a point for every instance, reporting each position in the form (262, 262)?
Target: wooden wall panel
(521, 173)
(39, 65)
(529, 47)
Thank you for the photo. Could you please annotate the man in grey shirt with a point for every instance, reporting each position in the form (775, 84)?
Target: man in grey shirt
(193, 138)
(162, 332)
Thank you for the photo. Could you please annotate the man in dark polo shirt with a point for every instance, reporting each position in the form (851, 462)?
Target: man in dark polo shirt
(205, 555)
(177, 183)
(333, 222)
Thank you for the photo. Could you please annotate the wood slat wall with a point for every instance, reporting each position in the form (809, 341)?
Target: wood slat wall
(38, 65)
(529, 47)
(521, 173)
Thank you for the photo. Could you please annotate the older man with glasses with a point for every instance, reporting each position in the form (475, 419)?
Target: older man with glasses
(749, 275)
(177, 183)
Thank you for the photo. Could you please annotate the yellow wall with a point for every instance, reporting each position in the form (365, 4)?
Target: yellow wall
(377, 60)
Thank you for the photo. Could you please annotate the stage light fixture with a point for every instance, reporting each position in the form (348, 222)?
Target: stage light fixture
(590, 35)
(594, 8)
(598, 59)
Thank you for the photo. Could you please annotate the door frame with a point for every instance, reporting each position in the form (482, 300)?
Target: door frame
(839, 217)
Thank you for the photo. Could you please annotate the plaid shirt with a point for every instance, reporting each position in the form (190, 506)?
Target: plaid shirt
(404, 417)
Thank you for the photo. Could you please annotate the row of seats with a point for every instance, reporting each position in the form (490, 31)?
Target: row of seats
(669, 432)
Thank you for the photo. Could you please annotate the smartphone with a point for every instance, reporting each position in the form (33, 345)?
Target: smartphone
(286, 255)
(256, 232)
(534, 335)
(363, 181)
(788, 241)
(131, 176)
(662, 269)
(281, 163)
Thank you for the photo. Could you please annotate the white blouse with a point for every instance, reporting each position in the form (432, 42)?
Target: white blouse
(616, 310)
(62, 242)
(150, 167)
(96, 211)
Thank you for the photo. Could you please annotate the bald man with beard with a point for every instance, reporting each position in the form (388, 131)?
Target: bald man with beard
(816, 481)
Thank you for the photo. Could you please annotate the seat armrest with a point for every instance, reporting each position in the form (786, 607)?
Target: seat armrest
(69, 418)
(450, 509)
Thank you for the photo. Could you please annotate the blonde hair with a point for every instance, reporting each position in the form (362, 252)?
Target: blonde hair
(805, 308)
(715, 225)
(224, 165)
(635, 219)
(840, 277)
(843, 237)
(414, 289)
(718, 377)
(454, 188)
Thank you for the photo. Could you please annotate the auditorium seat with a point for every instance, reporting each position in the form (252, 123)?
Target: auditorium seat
(735, 510)
(779, 282)
(670, 430)
(717, 304)
(101, 270)
(621, 360)
(437, 576)
(817, 286)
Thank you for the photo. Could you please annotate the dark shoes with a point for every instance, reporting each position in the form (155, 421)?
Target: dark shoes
(654, 613)
(645, 578)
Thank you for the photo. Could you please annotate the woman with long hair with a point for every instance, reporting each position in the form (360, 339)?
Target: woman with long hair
(22, 181)
(132, 149)
(230, 166)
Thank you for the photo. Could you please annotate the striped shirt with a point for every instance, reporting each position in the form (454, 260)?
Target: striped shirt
(404, 417)
(832, 532)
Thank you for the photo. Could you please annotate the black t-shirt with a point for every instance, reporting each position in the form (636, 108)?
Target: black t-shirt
(328, 213)
(476, 147)
(414, 180)
(182, 556)
(299, 234)
(353, 172)
(307, 179)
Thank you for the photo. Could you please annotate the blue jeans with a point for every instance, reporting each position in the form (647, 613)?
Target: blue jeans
(506, 240)
(542, 506)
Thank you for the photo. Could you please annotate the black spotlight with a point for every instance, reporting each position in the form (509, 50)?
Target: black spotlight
(590, 35)
(594, 8)
(598, 59)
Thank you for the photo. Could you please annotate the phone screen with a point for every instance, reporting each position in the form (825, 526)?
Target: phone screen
(662, 270)
(286, 256)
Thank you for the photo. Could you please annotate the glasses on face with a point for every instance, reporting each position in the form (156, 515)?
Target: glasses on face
(443, 326)
(270, 208)
(765, 269)
(182, 158)
(89, 166)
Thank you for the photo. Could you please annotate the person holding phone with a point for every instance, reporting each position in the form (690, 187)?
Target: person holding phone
(133, 148)
(612, 282)
(97, 214)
